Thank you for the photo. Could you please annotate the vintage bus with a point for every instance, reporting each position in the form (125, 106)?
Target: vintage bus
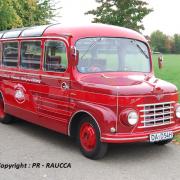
(93, 82)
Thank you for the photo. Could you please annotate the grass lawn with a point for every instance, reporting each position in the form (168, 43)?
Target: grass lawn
(171, 69)
(177, 139)
(170, 72)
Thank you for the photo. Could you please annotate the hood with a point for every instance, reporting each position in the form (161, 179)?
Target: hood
(128, 83)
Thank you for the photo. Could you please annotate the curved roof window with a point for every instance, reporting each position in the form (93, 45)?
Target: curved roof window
(12, 33)
(34, 31)
(1, 34)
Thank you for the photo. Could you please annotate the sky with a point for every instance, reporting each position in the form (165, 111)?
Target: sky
(165, 16)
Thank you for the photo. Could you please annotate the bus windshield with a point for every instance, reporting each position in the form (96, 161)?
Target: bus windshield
(112, 55)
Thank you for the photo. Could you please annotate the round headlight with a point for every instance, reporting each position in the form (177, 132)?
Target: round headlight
(132, 118)
(178, 112)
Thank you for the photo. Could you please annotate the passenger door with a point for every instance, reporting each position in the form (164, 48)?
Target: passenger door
(53, 100)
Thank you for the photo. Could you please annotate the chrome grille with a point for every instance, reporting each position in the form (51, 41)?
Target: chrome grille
(158, 114)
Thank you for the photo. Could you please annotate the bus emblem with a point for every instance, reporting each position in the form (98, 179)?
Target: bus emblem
(19, 94)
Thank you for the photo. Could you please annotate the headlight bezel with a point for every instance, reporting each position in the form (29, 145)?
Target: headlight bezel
(124, 117)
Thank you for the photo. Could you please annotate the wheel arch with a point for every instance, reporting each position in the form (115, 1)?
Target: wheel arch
(3, 99)
(75, 119)
(2, 96)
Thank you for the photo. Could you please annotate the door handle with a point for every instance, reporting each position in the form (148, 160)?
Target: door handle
(64, 86)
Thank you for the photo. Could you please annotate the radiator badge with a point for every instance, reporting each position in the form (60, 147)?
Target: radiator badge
(19, 93)
(160, 96)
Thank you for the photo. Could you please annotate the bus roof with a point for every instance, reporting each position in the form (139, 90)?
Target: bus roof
(77, 32)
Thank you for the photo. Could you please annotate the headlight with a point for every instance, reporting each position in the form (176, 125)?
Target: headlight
(178, 112)
(133, 118)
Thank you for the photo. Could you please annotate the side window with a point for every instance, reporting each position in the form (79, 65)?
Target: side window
(55, 56)
(31, 54)
(10, 54)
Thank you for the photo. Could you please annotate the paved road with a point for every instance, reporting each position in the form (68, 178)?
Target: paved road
(27, 143)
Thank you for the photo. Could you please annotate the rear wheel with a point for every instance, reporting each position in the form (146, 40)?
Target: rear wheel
(4, 118)
(89, 139)
(163, 142)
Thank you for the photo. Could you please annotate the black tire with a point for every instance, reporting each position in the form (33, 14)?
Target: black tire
(161, 143)
(4, 117)
(99, 149)
(7, 119)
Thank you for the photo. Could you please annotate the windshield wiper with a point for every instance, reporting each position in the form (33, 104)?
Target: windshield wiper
(142, 51)
(91, 46)
(140, 48)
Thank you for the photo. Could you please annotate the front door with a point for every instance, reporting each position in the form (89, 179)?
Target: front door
(53, 101)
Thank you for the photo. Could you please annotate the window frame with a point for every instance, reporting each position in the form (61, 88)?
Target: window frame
(2, 59)
(31, 40)
(44, 55)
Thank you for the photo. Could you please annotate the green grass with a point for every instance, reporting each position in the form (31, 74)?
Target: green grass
(177, 138)
(171, 69)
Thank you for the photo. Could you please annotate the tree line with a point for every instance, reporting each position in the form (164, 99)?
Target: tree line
(163, 43)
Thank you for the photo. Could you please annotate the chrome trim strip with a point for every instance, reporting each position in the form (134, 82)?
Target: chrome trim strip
(52, 76)
(133, 138)
(157, 114)
(154, 104)
(157, 109)
(117, 109)
(155, 120)
(155, 125)
(123, 139)
(69, 124)
(31, 74)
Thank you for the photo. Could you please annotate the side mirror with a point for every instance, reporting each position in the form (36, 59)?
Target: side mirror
(75, 53)
(160, 61)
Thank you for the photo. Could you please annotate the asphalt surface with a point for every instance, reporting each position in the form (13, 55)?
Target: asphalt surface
(28, 143)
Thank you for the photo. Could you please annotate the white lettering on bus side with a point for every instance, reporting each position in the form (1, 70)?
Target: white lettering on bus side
(21, 78)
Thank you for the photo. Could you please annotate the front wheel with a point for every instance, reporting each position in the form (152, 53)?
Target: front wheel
(4, 118)
(89, 139)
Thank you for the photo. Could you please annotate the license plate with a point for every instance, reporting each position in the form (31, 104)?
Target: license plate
(161, 136)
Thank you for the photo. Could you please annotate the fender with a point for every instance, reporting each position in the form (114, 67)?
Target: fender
(103, 116)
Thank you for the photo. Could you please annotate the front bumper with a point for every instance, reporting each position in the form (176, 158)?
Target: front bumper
(135, 137)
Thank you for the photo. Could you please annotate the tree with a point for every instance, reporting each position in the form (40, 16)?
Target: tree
(121, 13)
(18, 13)
(177, 43)
(169, 44)
(8, 15)
(158, 42)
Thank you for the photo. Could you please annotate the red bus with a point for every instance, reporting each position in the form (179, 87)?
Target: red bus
(93, 82)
